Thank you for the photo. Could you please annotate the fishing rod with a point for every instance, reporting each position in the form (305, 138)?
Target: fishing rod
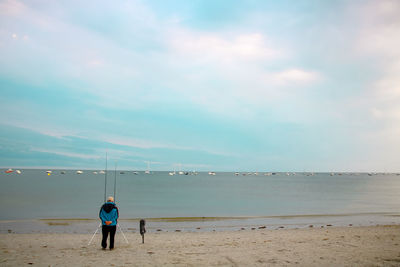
(105, 181)
(115, 192)
(105, 197)
(115, 179)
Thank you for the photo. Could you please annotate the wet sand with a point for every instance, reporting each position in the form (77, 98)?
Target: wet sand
(328, 246)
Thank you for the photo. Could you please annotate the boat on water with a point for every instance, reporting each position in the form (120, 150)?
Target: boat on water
(102, 172)
(172, 173)
(18, 171)
(95, 172)
(9, 171)
(236, 173)
(148, 168)
(79, 172)
(135, 173)
(211, 173)
(62, 172)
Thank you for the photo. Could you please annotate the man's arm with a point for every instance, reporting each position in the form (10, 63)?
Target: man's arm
(101, 214)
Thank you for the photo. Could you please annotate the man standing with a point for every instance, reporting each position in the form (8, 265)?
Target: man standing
(109, 216)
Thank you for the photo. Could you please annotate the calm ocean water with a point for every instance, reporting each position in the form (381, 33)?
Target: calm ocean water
(33, 194)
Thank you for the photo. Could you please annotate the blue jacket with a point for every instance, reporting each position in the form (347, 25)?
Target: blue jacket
(109, 212)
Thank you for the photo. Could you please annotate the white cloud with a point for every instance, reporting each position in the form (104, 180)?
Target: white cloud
(391, 113)
(31, 117)
(137, 143)
(11, 7)
(293, 76)
(379, 40)
(66, 153)
(229, 74)
(225, 48)
(371, 114)
(379, 28)
(150, 144)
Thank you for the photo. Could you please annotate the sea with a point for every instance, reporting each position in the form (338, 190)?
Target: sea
(66, 201)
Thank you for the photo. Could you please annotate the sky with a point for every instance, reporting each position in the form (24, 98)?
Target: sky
(200, 85)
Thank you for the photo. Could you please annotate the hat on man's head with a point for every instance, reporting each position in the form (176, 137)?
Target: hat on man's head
(110, 199)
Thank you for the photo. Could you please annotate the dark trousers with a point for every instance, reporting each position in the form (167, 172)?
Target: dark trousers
(105, 230)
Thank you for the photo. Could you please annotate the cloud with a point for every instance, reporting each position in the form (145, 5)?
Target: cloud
(206, 46)
(137, 143)
(132, 142)
(11, 8)
(293, 76)
(33, 117)
(369, 111)
(379, 40)
(379, 28)
(388, 86)
(67, 154)
(234, 74)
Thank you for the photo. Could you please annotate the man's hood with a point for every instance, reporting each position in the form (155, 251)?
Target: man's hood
(107, 207)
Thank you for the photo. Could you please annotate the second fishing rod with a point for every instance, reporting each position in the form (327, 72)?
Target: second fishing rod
(105, 180)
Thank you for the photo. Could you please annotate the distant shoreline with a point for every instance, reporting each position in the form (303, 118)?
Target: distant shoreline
(202, 224)
(252, 172)
(219, 218)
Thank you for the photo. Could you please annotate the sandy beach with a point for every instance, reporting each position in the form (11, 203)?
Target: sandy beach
(328, 246)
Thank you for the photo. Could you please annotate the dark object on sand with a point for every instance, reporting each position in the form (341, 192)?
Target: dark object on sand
(142, 229)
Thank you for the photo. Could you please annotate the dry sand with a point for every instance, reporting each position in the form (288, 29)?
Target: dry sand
(329, 246)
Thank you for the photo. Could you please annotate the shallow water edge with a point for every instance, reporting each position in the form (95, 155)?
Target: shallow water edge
(201, 224)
